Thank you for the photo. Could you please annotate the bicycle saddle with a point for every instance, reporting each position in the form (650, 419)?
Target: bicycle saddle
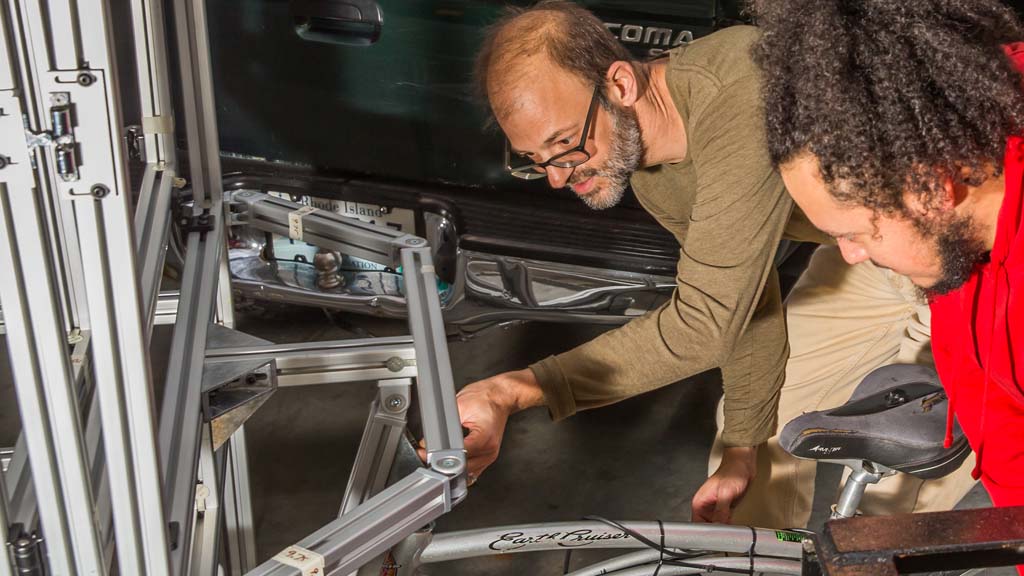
(896, 417)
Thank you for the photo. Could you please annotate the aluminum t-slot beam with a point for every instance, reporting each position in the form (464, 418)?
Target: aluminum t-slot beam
(321, 228)
(379, 444)
(374, 526)
(442, 430)
(329, 362)
(180, 417)
(152, 223)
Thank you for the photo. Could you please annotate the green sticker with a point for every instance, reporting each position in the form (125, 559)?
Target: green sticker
(784, 536)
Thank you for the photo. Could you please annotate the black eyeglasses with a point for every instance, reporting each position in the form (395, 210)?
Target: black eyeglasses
(568, 159)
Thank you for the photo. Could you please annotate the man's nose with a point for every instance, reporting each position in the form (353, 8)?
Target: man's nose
(852, 252)
(558, 177)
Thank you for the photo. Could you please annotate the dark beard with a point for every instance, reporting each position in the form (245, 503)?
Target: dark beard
(960, 248)
(624, 157)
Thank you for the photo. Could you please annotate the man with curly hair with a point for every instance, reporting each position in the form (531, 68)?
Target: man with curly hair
(899, 130)
(687, 132)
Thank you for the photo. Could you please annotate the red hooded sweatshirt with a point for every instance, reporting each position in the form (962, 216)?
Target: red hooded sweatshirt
(978, 342)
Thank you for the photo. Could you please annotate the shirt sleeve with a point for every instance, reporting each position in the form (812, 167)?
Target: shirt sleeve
(720, 315)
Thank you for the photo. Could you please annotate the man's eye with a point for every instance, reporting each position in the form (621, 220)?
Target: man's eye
(565, 141)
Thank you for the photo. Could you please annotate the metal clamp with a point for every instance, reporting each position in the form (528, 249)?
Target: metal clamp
(201, 223)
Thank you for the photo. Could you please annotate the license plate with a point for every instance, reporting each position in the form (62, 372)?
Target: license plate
(401, 219)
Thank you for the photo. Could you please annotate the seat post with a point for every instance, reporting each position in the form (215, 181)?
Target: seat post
(853, 490)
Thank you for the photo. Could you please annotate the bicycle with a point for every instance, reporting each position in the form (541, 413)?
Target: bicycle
(896, 402)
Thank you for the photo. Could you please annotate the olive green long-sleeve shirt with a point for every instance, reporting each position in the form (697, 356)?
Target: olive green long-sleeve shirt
(728, 209)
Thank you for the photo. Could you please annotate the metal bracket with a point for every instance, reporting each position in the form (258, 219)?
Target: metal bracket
(61, 136)
(921, 542)
(201, 223)
(134, 139)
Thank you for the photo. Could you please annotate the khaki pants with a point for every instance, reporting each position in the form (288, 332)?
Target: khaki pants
(844, 321)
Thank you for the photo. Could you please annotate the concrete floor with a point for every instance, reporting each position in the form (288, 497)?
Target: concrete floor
(640, 459)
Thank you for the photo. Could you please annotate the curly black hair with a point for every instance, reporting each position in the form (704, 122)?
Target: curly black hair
(890, 96)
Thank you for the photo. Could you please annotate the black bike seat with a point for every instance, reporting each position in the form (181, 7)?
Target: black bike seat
(896, 417)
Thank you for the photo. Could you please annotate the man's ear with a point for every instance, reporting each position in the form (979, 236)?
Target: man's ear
(622, 83)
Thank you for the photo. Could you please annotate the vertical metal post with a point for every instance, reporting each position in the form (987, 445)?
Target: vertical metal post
(121, 354)
(22, 493)
(44, 49)
(237, 498)
(180, 417)
(152, 213)
(46, 391)
(148, 20)
(24, 331)
(207, 510)
(237, 502)
(200, 113)
(58, 46)
(109, 390)
(180, 421)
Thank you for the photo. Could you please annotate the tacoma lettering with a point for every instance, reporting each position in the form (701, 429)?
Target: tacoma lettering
(657, 38)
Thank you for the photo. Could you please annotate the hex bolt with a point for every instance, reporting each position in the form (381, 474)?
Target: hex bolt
(86, 79)
(99, 191)
(395, 364)
(414, 241)
(447, 463)
(394, 403)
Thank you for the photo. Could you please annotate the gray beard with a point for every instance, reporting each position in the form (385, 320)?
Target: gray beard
(624, 158)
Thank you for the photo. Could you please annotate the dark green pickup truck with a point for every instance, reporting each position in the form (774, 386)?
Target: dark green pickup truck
(367, 108)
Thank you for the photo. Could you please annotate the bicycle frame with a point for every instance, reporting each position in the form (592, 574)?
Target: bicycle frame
(746, 544)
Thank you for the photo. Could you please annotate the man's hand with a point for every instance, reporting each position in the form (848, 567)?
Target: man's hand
(484, 408)
(721, 492)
